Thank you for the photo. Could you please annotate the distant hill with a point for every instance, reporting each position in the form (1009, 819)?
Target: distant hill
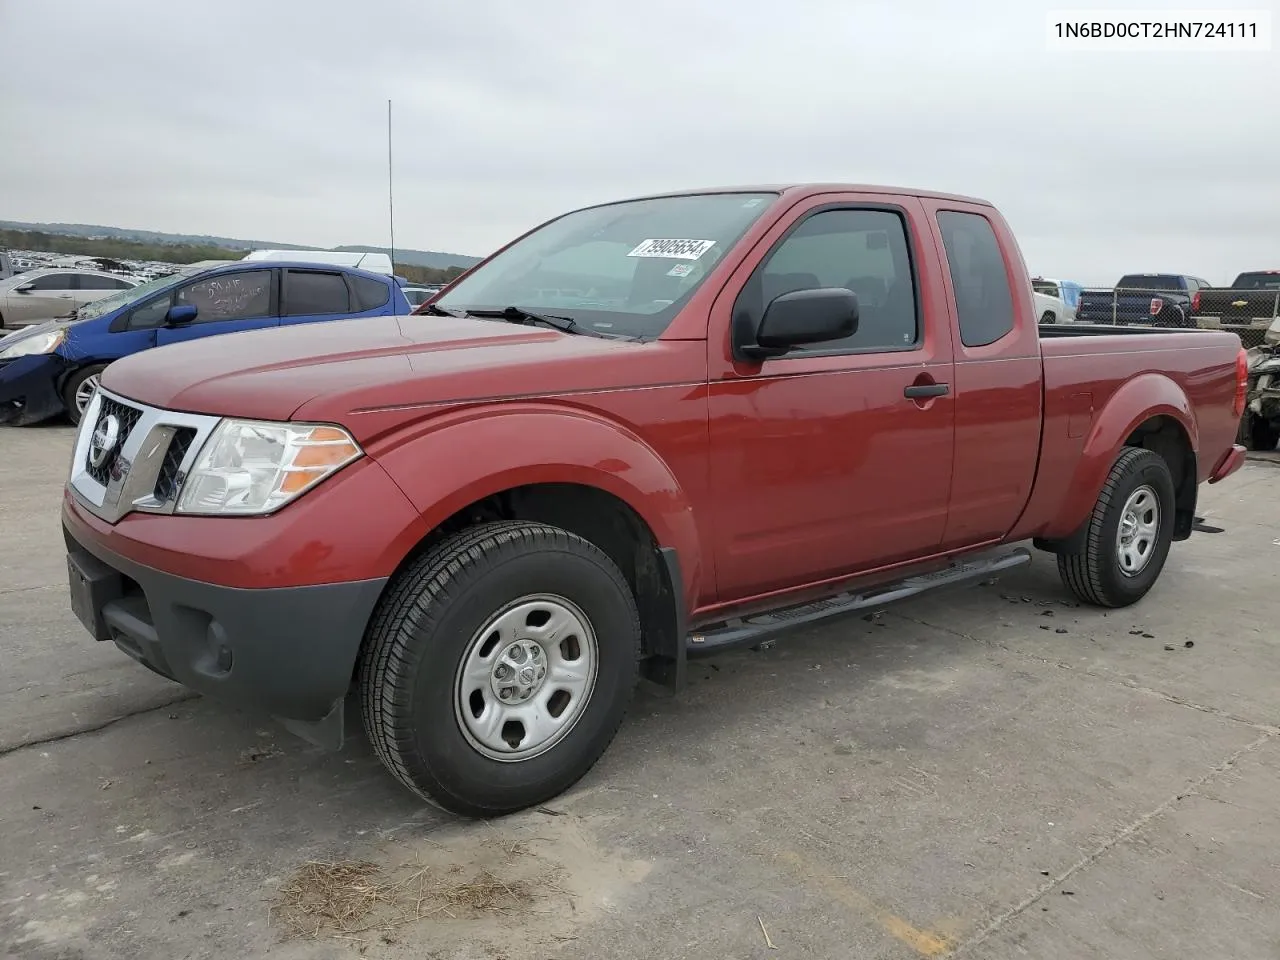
(419, 258)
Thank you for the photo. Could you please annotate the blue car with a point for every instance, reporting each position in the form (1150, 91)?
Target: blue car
(54, 367)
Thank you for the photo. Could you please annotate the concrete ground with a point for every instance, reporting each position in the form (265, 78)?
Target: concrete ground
(992, 773)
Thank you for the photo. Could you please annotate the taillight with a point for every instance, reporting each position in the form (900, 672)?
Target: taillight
(1195, 301)
(1156, 305)
(1242, 384)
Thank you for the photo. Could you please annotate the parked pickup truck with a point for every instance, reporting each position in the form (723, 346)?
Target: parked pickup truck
(760, 408)
(1253, 299)
(1066, 291)
(1144, 299)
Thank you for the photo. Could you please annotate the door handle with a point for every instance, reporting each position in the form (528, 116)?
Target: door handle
(918, 390)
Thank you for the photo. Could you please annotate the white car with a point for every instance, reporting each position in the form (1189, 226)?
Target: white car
(39, 295)
(1049, 309)
(1055, 299)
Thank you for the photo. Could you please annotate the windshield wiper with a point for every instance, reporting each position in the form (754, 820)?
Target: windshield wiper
(444, 311)
(521, 315)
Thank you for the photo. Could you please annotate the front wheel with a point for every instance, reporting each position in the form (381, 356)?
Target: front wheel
(79, 390)
(1048, 317)
(499, 666)
(1128, 535)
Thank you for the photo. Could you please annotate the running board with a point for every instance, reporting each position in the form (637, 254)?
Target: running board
(748, 631)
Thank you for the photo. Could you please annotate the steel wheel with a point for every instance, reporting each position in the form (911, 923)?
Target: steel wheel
(1139, 528)
(526, 678)
(85, 392)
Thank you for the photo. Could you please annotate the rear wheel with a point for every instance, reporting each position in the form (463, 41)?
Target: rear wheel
(499, 666)
(1128, 535)
(1048, 317)
(79, 389)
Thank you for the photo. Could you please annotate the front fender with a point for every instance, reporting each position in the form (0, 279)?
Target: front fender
(1138, 400)
(456, 459)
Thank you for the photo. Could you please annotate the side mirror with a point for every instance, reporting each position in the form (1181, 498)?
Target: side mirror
(803, 317)
(182, 314)
(26, 288)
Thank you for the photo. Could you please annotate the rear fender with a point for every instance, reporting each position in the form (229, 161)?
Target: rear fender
(457, 459)
(1140, 399)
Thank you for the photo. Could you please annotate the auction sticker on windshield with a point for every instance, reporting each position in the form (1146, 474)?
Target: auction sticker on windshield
(672, 249)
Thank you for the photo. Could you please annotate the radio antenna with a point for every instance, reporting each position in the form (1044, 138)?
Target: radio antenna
(391, 205)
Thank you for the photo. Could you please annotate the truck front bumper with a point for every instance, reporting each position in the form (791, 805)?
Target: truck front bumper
(285, 651)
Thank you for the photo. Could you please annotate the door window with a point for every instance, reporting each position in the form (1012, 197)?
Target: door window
(228, 296)
(54, 281)
(865, 251)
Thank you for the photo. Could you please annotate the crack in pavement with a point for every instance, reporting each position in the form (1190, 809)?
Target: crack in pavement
(1268, 733)
(81, 731)
(44, 586)
(1125, 832)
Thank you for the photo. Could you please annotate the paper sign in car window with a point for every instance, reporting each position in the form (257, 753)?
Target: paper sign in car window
(672, 249)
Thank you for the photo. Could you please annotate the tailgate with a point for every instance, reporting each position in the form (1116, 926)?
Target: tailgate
(1240, 306)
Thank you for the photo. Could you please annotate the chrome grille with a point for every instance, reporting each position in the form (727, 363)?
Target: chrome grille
(171, 474)
(127, 417)
(153, 451)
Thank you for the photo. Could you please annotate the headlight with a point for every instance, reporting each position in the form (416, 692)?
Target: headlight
(29, 346)
(250, 467)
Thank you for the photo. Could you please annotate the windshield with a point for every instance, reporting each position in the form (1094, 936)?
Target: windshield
(125, 297)
(624, 269)
(1257, 281)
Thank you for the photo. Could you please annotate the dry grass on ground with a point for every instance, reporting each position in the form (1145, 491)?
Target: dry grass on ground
(348, 898)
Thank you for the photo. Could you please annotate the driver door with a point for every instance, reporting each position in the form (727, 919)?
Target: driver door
(835, 459)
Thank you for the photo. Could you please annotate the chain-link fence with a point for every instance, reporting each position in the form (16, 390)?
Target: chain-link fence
(1247, 313)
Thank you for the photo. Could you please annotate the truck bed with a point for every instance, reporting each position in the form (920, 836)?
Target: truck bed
(1055, 331)
(1085, 367)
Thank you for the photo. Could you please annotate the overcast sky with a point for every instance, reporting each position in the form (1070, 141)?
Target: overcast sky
(267, 120)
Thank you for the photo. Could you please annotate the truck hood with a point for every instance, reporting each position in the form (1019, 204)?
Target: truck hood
(343, 368)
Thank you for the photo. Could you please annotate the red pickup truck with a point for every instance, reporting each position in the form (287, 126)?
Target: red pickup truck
(642, 432)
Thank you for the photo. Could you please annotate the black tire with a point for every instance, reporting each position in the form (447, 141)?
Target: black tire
(1048, 317)
(73, 384)
(1257, 433)
(1094, 573)
(424, 628)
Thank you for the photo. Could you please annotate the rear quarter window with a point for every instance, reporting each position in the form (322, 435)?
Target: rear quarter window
(367, 293)
(984, 297)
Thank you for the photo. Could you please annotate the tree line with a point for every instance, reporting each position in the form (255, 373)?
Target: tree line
(172, 253)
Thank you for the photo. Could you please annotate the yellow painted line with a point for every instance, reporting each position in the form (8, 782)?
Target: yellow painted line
(924, 942)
